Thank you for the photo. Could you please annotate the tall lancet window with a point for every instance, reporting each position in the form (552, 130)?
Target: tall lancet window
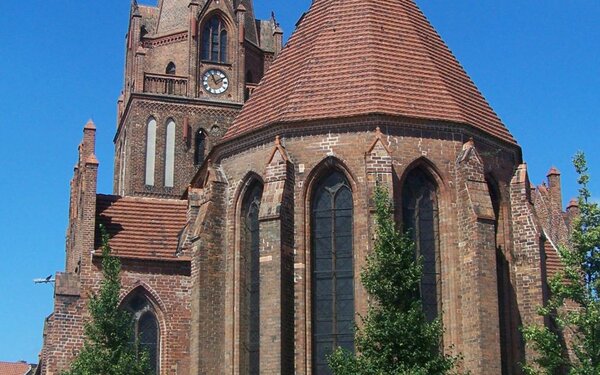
(420, 216)
(150, 151)
(170, 154)
(332, 269)
(250, 237)
(510, 345)
(146, 329)
(200, 149)
(214, 40)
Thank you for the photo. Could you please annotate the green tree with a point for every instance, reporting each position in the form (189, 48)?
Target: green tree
(107, 349)
(395, 337)
(574, 303)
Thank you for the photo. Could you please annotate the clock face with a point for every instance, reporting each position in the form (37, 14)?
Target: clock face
(215, 81)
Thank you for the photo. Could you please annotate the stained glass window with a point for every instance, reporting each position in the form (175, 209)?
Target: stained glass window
(332, 270)
(420, 216)
(145, 329)
(251, 279)
(214, 41)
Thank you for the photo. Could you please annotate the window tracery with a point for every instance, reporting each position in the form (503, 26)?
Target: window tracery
(145, 329)
(251, 275)
(332, 269)
(421, 217)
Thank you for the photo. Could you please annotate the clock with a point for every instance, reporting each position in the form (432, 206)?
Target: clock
(215, 81)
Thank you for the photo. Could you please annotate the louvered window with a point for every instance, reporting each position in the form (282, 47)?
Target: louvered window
(332, 270)
(420, 216)
(214, 41)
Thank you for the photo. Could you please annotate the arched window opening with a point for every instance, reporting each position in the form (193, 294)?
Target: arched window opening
(170, 84)
(200, 149)
(150, 151)
(214, 40)
(508, 320)
(420, 217)
(250, 269)
(170, 154)
(332, 269)
(145, 329)
(171, 69)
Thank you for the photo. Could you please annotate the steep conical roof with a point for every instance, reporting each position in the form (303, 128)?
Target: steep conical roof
(356, 57)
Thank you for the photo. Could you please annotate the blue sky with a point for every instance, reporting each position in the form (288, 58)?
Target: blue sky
(61, 62)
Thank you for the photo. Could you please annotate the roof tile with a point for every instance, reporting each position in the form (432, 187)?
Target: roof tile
(141, 227)
(14, 368)
(358, 57)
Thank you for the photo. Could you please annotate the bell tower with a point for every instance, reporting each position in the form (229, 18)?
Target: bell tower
(189, 67)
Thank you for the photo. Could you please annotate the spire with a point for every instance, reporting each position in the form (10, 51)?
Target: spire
(359, 57)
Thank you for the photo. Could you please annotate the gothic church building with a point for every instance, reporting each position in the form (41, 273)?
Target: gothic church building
(243, 180)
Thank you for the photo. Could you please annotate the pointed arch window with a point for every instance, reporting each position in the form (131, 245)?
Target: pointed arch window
(420, 216)
(214, 40)
(200, 149)
(510, 342)
(145, 329)
(150, 151)
(251, 276)
(332, 269)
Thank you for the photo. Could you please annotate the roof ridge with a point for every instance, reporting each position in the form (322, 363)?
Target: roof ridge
(129, 198)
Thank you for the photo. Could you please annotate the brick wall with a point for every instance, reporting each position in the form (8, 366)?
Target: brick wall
(366, 156)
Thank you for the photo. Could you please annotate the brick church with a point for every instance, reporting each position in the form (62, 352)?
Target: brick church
(243, 177)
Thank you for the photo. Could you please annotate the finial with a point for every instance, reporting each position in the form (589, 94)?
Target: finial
(553, 172)
(91, 159)
(90, 125)
(277, 141)
(574, 203)
(469, 144)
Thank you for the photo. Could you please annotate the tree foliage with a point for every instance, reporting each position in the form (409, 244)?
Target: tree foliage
(108, 349)
(574, 304)
(395, 337)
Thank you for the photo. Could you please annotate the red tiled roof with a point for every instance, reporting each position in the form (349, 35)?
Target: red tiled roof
(141, 227)
(356, 57)
(11, 368)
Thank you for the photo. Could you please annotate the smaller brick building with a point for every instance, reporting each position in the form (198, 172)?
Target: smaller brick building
(242, 212)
